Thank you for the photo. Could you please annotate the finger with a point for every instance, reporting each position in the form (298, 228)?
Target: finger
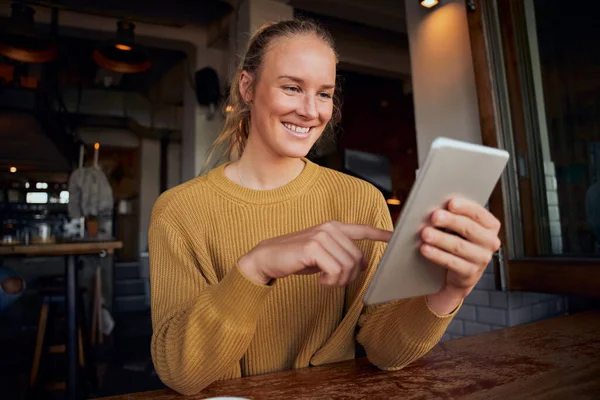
(321, 258)
(345, 259)
(346, 243)
(456, 246)
(465, 270)
(354, 273)
(475, 212)
(467, 228)
(362, 232)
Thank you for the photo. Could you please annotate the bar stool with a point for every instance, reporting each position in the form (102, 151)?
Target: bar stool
(53, 297)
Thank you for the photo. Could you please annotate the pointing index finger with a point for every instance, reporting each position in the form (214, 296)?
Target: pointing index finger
(361, 232)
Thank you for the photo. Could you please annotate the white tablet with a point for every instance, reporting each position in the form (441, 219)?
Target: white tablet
(452, 168)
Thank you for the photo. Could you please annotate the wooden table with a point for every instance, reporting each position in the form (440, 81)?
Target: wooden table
(70, 250)
(557, 358)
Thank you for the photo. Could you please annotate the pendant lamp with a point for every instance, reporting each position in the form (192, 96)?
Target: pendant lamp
(122, 54)
(19, 40)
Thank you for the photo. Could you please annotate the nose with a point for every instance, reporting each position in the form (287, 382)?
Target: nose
(308, 109)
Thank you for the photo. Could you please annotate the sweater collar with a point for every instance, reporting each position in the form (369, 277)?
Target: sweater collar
(297, 186)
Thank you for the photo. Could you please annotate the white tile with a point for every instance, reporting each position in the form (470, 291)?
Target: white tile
(550, 183)
(487, 282)
(478, 297)
(475, 328)
(515, 299)
(540, 311)
(455, 327)
(549, 168)
(553, 213)
(530, 298)
(499, 299)
(557, 247)
(467, 313)
(492, 316)
(552, 197)
(520, 316)
(555, 228)
(559, 305)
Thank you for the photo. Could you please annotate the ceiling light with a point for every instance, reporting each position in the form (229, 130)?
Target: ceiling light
(19, 40)
(13, 169)
(394, 200)
(429, 3)
(122, 54)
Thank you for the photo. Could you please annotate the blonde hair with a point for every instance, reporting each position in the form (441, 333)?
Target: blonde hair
(237, 123)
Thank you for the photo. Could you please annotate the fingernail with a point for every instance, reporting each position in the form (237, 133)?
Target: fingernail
(457, 203)
(441, 216)
(427, 234)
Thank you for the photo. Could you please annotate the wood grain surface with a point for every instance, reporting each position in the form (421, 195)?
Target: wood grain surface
(557, 358)
(60, 249)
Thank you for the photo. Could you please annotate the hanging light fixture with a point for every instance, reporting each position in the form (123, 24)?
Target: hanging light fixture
(429, 3)
(122, 54)
(19, 40)
(394, 200)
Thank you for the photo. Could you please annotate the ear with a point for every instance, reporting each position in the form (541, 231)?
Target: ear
(246, 86)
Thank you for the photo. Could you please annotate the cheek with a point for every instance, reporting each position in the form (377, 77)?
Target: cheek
(276, 103)
(325, 110)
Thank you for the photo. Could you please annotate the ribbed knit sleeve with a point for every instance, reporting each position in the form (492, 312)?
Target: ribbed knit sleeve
(397, 333)
(201, 330)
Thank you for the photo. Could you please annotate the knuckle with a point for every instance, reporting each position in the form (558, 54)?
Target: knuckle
(336, 270)
(312, 246)
(497, 225)
(321, 236)
(458, 246)
(467, 231)
(497, 244)
(347, 263)
(450, 263)
(328, 225)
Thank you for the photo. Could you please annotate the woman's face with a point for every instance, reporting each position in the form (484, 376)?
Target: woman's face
(292, 98)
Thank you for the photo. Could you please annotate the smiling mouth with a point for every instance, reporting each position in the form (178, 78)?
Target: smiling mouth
(299, 131)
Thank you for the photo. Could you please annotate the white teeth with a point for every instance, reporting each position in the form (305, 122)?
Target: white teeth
(295, 128)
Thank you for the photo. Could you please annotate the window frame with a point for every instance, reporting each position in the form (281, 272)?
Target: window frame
(500, 95)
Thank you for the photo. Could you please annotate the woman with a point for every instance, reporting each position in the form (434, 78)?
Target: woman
(261, 264)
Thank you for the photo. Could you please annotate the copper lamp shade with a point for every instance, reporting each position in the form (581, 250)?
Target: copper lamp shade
(122, 54)
(20, 42)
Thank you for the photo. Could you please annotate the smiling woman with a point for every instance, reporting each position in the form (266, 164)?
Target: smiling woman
(261, 265)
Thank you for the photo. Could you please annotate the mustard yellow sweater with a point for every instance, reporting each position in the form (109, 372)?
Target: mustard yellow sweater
(211, 322)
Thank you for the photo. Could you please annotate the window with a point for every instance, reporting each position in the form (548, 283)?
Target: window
(37, 197)
(537, 67)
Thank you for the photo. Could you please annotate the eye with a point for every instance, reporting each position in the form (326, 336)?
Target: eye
(326, 95)
(293, 89)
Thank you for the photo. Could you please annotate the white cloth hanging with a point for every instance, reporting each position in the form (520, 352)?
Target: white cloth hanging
(90, 194)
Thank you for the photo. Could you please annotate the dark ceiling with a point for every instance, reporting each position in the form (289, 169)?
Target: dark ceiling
(171, 13)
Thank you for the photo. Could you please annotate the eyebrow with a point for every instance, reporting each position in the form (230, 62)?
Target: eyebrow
(300, 80)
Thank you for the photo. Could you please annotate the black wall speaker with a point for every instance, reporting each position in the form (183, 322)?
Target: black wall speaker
(207, 86)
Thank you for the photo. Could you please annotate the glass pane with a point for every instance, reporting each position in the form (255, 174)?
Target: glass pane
(562, 99)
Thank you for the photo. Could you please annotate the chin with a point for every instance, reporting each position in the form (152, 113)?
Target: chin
(295, 150)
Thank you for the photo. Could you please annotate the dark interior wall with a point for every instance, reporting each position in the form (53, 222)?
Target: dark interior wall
(377, 117)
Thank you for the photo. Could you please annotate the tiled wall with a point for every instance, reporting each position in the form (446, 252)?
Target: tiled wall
(487, 309)
(553, 210)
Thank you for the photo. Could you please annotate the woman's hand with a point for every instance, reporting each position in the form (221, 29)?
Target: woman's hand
(327, 248)
(465, 256)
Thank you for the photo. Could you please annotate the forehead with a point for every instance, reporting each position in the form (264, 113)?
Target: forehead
(306, 57)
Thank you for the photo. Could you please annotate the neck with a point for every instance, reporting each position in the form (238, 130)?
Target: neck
(262, 170)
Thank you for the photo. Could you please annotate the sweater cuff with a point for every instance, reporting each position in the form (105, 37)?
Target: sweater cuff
(431, 324)
(239, 297)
